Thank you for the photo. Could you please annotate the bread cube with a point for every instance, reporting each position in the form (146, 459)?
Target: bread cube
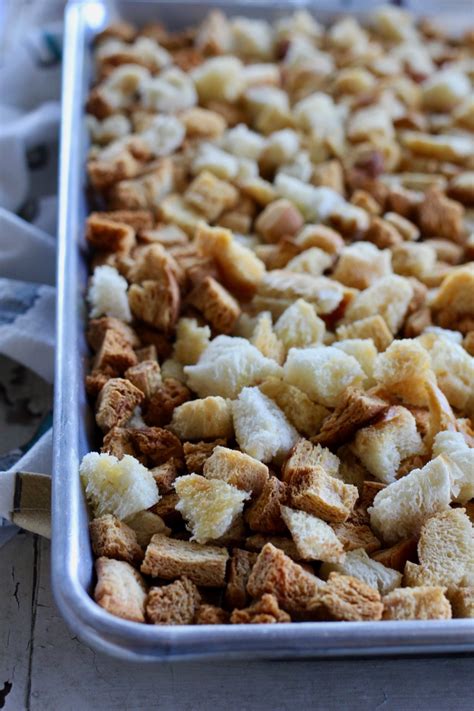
(348, 598)
(264, 338)
(323, 373)
(173, 604)
(400, 510)
(210, 195)
(121, 488)
(361, 264)
(156, 302)
(171, 91)
(445, 552)
(215, 303)
(454, 369)
(211, 615)
(279, 219)
(373, 327)
(107, 294)
(365, 353)
(312, 261)
(390, 297)
(358, 564)
(320, 236)
(305, 415)
(414, 259)
(263, 611)
(305, 455)
(120, 589)
(240, 566)
(403, 370)
(174, 209)
(146, 376)
(314, 539)
(462, 601)
(322, 495)
(145, 524)
(209, 506)
(418, 603)
(191, 340)
(206, 418)
(264, 514)
(159, 408)
(116, 403)
(261, 428)
(324, 293)
(454, 447)
(227, 366)
(237, 469)
(112, 538)
(197, 453)
(444, 90)
(169, 558)
(299, 326)
(219, 79)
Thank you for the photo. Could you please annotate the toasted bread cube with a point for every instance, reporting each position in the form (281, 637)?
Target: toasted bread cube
(115, 354)
(210, 195)
(157, 445)
(358, 564)
(299, 326)
(461, 456)
(146, 376)
(219, 78)
(227, 366)
(156, 303)
(264, 338)
(216, 305)
(323, 373)
(462, 601)
(320, 236)
(414, 259)
(312, 261)
(261, 428)
(275, 573)
(209, 506)
(361, 264)
(98, 328)
(119, 487)
(373, 327)
(197, 453)
(403, 369)
(305, 455)
(454, 298)
(400, 509)
(170, 394)
(237, 469)
(240, 566)
(107, 294)
(355, 410)
(382, 446)
(301, 412)
(174, 209)
(264, 514)
(118, 441)
(263, 611)
(315, 492)
(207, 418)
(145, 524)
(279, 219)
(354, 535)
(314, 539)
(169, 558)
(109, 235)
(112, 538)
(152, 263)
(287, 545)
(348, 598)
(173, 604)
(120, 589)
(445, 551)
(326, 294)
(419, 603)
(211, 615)
(191, 341)
(439, 216)
(397, 555)
(390, 297)
(116, 403)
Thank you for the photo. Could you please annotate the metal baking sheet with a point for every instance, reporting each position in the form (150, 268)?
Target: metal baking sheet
(72, 560)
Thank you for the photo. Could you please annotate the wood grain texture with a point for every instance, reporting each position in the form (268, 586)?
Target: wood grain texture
(66, 675)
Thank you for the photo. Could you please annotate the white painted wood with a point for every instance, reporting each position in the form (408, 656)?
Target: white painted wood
(66, 675)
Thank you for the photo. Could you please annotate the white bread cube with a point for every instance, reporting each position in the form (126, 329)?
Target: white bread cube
(261, 73)
(326, 294)
(312, 261)
(316, 204)
(394, 24)
(237, 469)
(219, 79)
(403, 370)
(400, 510)
(364, 351)
(454, 447)
(389, 297)
(281, 147)
(445, 552)
(208, 418)
(299, 325)
(242, 141)
(227, 365)
(323, 373)
(164, 135)
(419, 603)
(444, 90)
(314, 538)
(209, 506)
(107, 294)
(120, 589)
(265, 339)
(454, 370)
(361, 264)
(261, 428)
(251, 38)
(119, 487)
(146, 524)
(373, 327)
(414, 259)
(382, 446)
(304, 414)
(173, 368)
(171, 91)
(358, 564)
(191, 341)
(368, 122)
(220, 163)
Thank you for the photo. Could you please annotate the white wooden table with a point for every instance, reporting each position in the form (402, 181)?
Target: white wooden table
(50, 670)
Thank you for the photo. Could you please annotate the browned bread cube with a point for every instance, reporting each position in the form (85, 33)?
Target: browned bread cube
(264, 514)
(116, 403)
(348, 598)
(115, 354)
(236, 468)
(197, 453)
(241, 564)
(215, 303)
(263, 611)
(322, 495)
(145, 376)
(157, 445)
(170, 394)
(211, 615)
(173, 604)
(112, 538)
(420, 603)
(120, 589)
(355, 410)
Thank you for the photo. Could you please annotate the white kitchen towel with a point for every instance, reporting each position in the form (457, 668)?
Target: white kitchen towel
(30, 75)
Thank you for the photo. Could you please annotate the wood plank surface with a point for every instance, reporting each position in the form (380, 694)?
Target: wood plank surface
(62, 674)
